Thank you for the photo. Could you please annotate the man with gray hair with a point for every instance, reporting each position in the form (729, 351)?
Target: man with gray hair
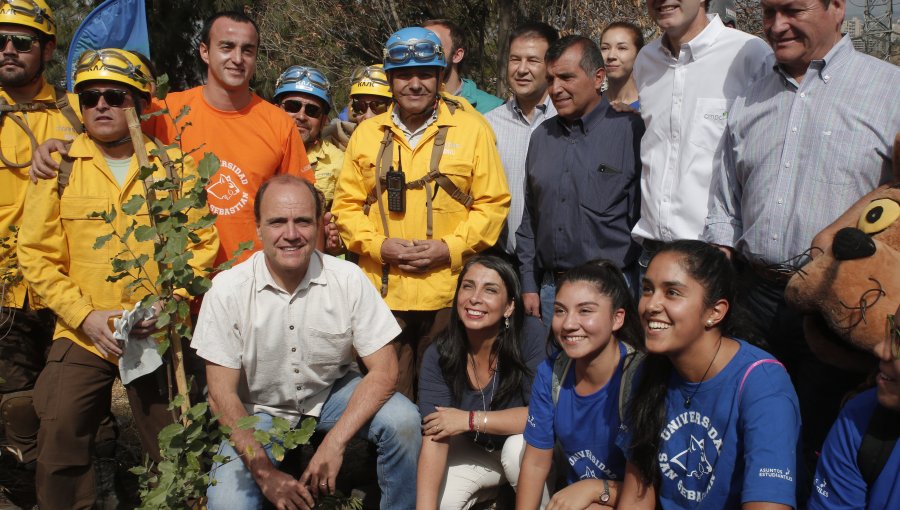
(581, 175)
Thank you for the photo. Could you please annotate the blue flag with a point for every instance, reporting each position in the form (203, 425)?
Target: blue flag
(113, 24)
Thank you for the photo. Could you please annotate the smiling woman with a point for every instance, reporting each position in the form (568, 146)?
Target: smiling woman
(474, 388)
(713, 419)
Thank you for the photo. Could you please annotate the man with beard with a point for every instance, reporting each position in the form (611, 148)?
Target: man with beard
(29, 114)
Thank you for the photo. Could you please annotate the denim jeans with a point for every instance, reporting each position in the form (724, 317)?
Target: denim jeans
(395, 430)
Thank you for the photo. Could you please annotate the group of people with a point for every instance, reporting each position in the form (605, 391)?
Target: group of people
(541, 291)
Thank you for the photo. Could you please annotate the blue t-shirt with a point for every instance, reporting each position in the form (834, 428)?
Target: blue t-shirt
(838, 483)
(434, 388)
(585, 426)
(731, 446)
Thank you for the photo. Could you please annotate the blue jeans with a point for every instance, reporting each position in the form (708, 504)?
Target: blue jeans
(395, 429)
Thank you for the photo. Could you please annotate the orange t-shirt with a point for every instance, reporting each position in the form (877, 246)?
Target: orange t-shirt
(252, 144)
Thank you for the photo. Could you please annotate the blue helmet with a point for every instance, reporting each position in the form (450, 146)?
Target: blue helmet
(305, 80)
(413, 47)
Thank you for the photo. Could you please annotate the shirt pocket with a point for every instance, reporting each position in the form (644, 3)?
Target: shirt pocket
(82, 230)
(837, 153)
(602, 188)
(708, 123)
(460, 173)
(329, 349)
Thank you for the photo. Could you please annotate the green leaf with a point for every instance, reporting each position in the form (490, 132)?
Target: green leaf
(144, 233)
(208, 166)
(169, 432)
(133, 205)
(162, 86)
(102, 240)
(262, 437)
(278, 452)
(247, 422)
(177, 402)
(280, 424)
(199, 285)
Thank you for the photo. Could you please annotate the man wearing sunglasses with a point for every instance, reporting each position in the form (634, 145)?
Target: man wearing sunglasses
(422, 190)
(28, 115)
(58, 255)
(370, 95)
(304, 93)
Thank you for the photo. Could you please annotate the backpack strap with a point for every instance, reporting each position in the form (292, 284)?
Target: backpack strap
(62, 176)
(750, 369)
(878, 443)
(560, 369)
(633, 360)
(383, 163)
(62, 103)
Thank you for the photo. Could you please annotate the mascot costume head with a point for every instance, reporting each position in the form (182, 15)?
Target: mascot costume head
(854, 283)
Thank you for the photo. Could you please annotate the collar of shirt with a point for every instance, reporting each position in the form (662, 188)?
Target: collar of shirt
(586, 123)
(513, 106)
(44, 95)
(406, 131)
(314, 274)
(701, 44)
(824, 67)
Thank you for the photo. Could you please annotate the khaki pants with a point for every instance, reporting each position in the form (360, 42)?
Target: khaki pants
(419, 330)
(72, 396)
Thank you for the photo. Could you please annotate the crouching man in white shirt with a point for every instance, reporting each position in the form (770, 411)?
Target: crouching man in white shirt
(278, 333)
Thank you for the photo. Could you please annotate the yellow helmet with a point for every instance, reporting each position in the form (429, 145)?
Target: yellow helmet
(35, 14)
(370, 80)
(112, 64)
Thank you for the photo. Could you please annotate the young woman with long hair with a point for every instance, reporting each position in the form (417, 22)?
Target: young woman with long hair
(474, 387)
(593, 316)
(713, 421)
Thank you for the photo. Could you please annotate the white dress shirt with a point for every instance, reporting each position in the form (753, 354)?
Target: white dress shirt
(684, 103)
(291, 347)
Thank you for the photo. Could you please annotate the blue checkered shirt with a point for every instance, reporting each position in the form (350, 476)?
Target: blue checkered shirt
(798, 155)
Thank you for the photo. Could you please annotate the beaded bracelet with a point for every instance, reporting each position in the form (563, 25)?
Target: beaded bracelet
(471, 421)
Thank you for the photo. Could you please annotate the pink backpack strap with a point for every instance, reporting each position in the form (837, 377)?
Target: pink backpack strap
(750, 369)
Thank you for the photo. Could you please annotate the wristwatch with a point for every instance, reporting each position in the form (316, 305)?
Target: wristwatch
(604, 496)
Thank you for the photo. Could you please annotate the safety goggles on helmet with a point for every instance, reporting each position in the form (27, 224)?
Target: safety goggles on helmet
(30, 13)
(298, 74)
(360, 106)
(374, 74)
(296, 106)
(421, 50)
(22, 43)
(112, 64)
(91, 98)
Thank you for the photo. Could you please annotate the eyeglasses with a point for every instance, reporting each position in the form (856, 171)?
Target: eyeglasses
(893, 333)
(370, 73)
(111, 60)
(300, 73)
(21, 42)
(420, 50)
(113, 97)
(360, 106)
(295, 106)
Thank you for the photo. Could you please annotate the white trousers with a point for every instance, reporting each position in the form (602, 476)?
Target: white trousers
(474, 474)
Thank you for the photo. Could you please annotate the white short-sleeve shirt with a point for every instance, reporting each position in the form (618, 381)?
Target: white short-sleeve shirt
(291, 347)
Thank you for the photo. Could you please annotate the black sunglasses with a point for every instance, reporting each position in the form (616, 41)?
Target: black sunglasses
(311, 110)
(21, 42)
(113, 97)
(378, 106)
